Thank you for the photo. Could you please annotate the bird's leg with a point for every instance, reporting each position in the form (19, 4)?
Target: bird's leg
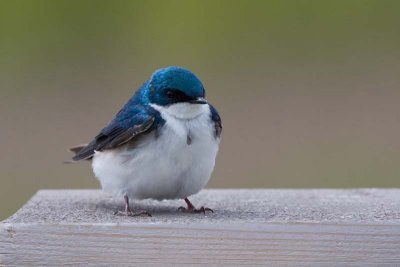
(191, 209)
(128, 211)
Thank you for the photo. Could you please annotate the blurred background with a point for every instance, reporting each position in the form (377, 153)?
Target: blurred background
(308, 91)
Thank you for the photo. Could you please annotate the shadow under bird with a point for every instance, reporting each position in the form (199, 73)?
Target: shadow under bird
(161, 145)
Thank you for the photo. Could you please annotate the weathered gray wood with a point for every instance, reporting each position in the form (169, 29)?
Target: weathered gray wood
(249, 227)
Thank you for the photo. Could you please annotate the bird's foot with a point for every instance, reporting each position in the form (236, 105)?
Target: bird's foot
(129, 212)
(194, 210)
(132, 214)
(191, 209)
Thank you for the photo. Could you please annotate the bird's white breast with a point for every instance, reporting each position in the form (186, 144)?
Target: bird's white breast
(175, 162)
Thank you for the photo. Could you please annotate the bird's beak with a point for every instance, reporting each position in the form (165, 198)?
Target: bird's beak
(198, 100)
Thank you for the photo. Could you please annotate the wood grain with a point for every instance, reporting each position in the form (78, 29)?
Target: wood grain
(127, 245)
(172, 239)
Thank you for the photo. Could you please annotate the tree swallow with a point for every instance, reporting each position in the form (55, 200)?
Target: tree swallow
(161, 145)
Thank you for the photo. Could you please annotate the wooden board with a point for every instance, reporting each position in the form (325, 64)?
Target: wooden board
(78, 228)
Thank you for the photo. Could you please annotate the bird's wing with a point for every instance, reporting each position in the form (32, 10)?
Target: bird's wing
(217, 121)
(122, 129)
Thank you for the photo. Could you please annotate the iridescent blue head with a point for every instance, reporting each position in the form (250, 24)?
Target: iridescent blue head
(175, 85)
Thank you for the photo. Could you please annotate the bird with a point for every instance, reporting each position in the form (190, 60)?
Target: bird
(161, 145)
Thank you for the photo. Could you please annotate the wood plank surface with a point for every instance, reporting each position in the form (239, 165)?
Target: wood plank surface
(78, 228)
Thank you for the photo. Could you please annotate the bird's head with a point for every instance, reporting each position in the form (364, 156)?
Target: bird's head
(176, 91)
(174, 85)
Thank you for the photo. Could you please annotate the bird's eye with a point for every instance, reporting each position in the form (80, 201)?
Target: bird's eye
(170, 93)
(176, 95)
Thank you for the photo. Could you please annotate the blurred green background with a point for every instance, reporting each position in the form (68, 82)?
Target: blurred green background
(309, 91)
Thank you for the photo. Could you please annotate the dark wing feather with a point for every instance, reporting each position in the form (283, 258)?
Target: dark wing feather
(115, 134)
(218, 128)
(217, 121)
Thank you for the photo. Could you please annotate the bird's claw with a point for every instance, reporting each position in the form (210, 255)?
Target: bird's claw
(204, 209)
(194, 210)
(181, 208)
(132, 214)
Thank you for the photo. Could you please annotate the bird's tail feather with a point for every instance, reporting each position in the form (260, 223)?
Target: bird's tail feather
(75, 150)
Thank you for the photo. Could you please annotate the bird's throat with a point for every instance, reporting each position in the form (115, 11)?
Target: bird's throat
(184, 111)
